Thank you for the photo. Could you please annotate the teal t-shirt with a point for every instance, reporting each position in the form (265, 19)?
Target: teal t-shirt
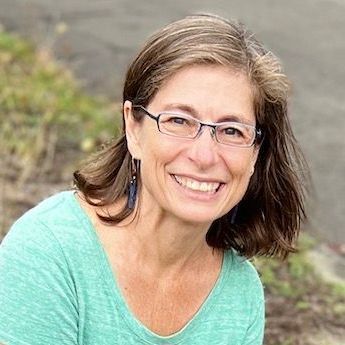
(57, 287)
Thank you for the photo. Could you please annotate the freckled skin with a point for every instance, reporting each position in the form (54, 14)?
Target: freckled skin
(213, 92)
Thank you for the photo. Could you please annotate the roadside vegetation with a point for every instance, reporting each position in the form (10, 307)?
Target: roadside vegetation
(42, 110)
(47, 125)
(302, 309)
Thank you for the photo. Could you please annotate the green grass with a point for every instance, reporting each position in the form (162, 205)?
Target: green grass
(292, 278)
(294, 288)
(42, 109)
(296, 278)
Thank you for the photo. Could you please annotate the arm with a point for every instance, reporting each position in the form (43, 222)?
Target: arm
(255, 332)
(37, 297)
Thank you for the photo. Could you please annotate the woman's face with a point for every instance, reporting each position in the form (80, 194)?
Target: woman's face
(196, 180)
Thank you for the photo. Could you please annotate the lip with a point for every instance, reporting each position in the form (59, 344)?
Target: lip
(199, 179)
(195, 194)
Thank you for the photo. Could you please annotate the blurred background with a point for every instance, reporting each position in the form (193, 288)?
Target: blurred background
(97, 39)
(60, 89)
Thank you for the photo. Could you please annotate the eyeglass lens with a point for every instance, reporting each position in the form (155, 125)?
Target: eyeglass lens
(230, 133)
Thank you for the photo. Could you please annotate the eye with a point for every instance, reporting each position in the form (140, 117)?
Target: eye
(232, 131)
(176, 120)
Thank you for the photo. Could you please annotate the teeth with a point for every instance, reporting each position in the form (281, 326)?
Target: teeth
(196, 185)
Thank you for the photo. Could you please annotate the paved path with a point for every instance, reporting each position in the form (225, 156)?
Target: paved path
(308, 35)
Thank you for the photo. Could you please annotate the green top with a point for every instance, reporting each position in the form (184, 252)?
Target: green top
(57, 287)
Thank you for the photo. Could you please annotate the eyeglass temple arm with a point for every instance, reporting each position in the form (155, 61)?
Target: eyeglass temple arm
(259, 135)
(140, 107)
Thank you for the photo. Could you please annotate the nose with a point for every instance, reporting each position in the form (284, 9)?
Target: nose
(203, 149)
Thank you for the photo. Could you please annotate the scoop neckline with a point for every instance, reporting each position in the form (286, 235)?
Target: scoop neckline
(120, 303)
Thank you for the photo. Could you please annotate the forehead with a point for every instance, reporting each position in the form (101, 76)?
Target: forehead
(212, 91)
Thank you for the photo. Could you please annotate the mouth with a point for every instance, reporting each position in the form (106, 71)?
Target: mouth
(198, 186)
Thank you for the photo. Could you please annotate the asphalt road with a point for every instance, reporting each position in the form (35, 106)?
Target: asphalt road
(98, 38)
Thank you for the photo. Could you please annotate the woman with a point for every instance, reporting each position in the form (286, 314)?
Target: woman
(151, 246)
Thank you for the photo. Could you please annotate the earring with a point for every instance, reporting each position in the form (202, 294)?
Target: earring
(233, 214)
(251, 172)
(133, 188)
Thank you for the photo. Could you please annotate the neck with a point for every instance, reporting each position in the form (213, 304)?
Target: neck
(165, 243)
(161, 242)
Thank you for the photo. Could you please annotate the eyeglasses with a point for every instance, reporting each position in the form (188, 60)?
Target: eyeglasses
(184, 126)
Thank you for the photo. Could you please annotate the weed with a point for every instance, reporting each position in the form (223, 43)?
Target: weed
(42, 110)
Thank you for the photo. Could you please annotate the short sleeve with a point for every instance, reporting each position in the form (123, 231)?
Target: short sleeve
(255, 331)
(37, 295)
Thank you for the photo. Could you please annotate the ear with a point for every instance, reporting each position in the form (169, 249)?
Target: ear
(254, 159)
(132, 130)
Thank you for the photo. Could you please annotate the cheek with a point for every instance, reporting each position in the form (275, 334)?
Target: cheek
(160, 148)
(157, 152)
(240, 164)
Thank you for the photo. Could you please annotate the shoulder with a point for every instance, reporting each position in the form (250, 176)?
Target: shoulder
(36, 277)
(57, 208)
(47, 242)
(53, 216)
(240, 301)
(243, 277)
(51, 229)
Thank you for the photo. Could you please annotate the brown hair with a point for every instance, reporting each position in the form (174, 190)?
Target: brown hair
(269, 215)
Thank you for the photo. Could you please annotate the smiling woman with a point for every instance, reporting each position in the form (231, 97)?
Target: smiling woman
(151, 245)
(170, 158)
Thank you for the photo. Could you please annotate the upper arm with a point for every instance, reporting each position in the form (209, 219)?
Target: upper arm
(37, 297)
(255, 331)
(256, 326)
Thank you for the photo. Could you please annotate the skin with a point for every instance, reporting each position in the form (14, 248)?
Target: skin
(161, 260)
(163, 200)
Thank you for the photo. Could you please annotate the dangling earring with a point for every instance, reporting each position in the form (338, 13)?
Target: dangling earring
(233, 214)
(133, 187)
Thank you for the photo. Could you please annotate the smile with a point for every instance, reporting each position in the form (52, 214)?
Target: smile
(200, 186)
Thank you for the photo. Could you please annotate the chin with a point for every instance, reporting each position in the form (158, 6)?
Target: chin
(197, 215)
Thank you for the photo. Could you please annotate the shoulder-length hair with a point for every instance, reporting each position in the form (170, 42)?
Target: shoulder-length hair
(269, 215)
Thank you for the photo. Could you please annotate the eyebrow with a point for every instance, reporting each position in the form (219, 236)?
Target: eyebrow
(192, 111)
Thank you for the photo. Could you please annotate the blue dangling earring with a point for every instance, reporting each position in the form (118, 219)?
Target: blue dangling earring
(233, 214)
(133, 186)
